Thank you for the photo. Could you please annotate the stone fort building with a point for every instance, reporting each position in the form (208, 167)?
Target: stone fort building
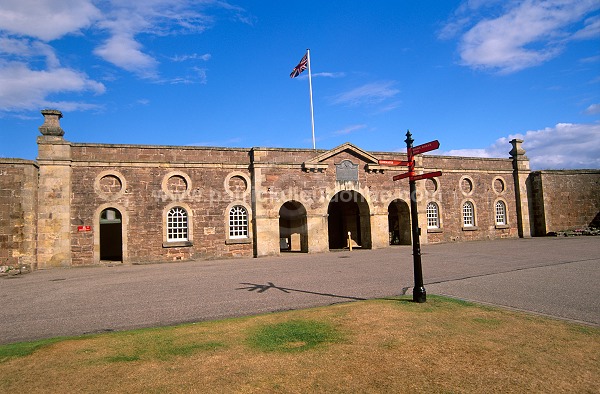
(86, 203)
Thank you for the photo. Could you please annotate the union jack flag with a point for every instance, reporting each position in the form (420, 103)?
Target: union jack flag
(300, 67)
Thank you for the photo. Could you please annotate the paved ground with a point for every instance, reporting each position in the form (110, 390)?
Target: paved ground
(553, 276)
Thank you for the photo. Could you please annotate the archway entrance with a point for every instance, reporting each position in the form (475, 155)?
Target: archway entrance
(399, 223)
(348, 212)
(293, 233)
(111, 235)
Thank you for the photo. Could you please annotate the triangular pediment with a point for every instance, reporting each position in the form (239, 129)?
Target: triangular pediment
(317, 162)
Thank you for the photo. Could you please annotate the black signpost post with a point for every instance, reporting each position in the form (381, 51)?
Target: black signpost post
(419, 293)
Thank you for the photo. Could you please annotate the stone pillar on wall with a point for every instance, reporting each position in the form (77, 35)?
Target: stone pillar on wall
(380, 236)
(54, 194)
(318, 236)
(266, 222)
(266, 238)
(521, 173)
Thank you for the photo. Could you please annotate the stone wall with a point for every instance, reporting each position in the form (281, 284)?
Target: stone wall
(564, 200)
(308, 177)
(105, 202)
(483, 182)
(143, 183)
(18, 201)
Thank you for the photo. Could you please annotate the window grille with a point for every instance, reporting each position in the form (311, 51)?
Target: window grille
(500, 213)
(177, 224)
(238, 222)
(468, 214)
(433, 220)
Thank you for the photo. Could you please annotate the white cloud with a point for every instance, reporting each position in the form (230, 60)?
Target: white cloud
(31, 70)
(524, 34)
(350, 129)
(564, 146)
(471, 153)
(590, 30)
(591, 59)
(592, 109)
(24, 88)
(28, 49)
(125, 20)
(328, 75)
(25, 84)
(371, 93)
(304, 76)
(199, 76)
(194, 56)
(46, 20)
(124, 51)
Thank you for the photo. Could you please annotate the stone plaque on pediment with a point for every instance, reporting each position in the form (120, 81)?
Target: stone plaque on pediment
(346, 171)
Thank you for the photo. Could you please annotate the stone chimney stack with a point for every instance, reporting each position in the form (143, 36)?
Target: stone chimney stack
(51, 124)
(521, 178)
(517, 152)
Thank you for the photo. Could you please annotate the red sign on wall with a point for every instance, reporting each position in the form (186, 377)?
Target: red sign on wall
(83, 229)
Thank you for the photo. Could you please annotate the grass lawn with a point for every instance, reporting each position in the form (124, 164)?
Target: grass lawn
(377, 346)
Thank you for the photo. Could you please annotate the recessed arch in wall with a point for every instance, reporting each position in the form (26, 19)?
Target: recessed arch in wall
(348, 212)
(293, 229)
(176, 185)
(110, 184)
(111, 224)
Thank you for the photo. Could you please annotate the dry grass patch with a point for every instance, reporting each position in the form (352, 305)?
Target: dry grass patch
(372, 346)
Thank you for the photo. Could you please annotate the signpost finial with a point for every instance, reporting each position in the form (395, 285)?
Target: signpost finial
(409, 140)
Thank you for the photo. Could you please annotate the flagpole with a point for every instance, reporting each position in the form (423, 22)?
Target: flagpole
(312, 114)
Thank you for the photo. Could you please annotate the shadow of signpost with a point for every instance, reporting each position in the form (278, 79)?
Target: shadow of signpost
(270, 285)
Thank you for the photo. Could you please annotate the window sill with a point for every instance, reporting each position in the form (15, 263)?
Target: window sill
(502, 226)
(177, 244)
(470, 228)
(237, 241)
(434, 230)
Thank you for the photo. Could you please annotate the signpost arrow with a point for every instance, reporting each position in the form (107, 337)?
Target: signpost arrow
(426, 176)
(394, 163)
(429, 146)
(401, 176)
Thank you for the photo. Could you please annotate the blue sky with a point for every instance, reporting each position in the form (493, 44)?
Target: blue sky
(472, 74)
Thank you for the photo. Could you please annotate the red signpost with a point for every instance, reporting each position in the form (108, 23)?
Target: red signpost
(432, 145)
(394, 163)
(410, 163)
(419, 294)
(426, 176)
(401, 176)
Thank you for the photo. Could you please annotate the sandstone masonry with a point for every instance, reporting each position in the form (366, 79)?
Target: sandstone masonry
(18, 211)
(85, 204)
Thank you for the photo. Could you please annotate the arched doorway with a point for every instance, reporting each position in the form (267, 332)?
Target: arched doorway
(293, 233)
(111, 235)
(399, 223)
(348, 212)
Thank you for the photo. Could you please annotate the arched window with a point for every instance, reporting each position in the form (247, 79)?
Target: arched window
(177, 225)
(500, 213)
(433, 218)
(468, 213)
(238, 222)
